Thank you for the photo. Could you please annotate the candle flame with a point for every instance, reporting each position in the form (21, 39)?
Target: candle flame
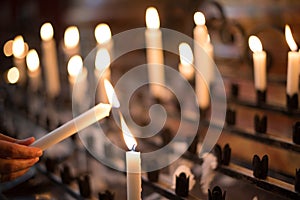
(32, 60)
(152, 18)
(71, 37)
(199, 18)
(7, 48)
(46, 31)
(255, 44)
(111, 94)
(186, 54)
(13, 75)
(18, 47)
(102, 60)
(102, 33)
(75, 66)
(130, 141)
(289, 38)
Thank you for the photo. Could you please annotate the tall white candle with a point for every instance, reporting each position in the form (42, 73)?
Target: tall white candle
(87, 118)
(50, 60)
(71, 41)
(19, 53)
(259, 63)
(34, 71)
(155, 57)
(133, 164)
(103, 37)
(292, 86)
(185, 66)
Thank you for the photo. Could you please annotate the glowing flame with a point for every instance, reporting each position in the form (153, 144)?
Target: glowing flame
(102, 60)
(111, 94)
(152, 18)
(75, 65)
(186, 54)
(289, 38)
(255, 44)
(46, 31)
(102, 33)
(71, 37)
(18, 47)
(199, 18)
(13, 75)
(7, 48)
(32, 60)
(127, 135)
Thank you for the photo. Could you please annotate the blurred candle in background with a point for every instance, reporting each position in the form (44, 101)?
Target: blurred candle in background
(19, 53)
(13, 75)
(71, 41)
(34, 71)
(185, 66)
(50, 61)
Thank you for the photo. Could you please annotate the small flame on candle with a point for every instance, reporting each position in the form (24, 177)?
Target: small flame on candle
(152, 18)
(75, 66)
(255, 44)
(111, 94)
(46, 31)
(7, 48)
(71, 37)
(18, 47)
(102, 33)
(32, 60)
(199, 18)
(186, 54)
(130, 141)
(289, 38)
(13, 75)
(102, 60)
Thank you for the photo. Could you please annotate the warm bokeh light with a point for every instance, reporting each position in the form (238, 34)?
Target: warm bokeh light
(71, 37)
(186, 54)
(102, 60)
(102, 33)
(46, 31)
(32, 60)
(75, 65)
(255, 44)
(152, 18)
(13, 75)
(199, 18)
(130, 141)
(289, 38)
(7, 48)
(111, 94)
(18, 47)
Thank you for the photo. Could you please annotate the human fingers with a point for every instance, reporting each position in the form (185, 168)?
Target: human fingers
(7, 138)
(8, 166)
(12, 176)
(13, 150)
(27, 141)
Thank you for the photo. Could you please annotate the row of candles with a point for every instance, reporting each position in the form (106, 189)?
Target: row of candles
(155, 62)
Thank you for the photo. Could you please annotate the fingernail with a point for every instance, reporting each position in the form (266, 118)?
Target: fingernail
(39, 153)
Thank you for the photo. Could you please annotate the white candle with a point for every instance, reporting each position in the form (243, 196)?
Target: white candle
(185, 66)
(259, 63)
(34, 71)
(50, 60)
(103, 37)
(133, 164)
(155, 57)
(19, 52)
(87, 118)
(71, 41)
(293, 64)
(102, 72)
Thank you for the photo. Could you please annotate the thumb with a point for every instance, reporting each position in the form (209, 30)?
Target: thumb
(26, 141)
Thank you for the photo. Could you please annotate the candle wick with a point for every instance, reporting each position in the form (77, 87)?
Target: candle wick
(133, 147)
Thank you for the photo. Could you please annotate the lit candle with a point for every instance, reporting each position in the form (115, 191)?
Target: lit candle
(34, 71)
(19, 52)
(155, 57)
(186, 61)
(293, 64)
(87, 118)
(50, 60)
(74, 68)
(111, 95)
(102, 71)
(259, 62)
(13, 75)
(71, 41)
(200, 31)
(103, 36)
(133, 164)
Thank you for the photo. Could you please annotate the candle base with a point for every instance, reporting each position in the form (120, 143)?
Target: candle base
(84, 186)
(234, 90)
(260, 124)
(296, 133)
(260, 97)
(182, 185)
(292, 102)
(230, 117)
